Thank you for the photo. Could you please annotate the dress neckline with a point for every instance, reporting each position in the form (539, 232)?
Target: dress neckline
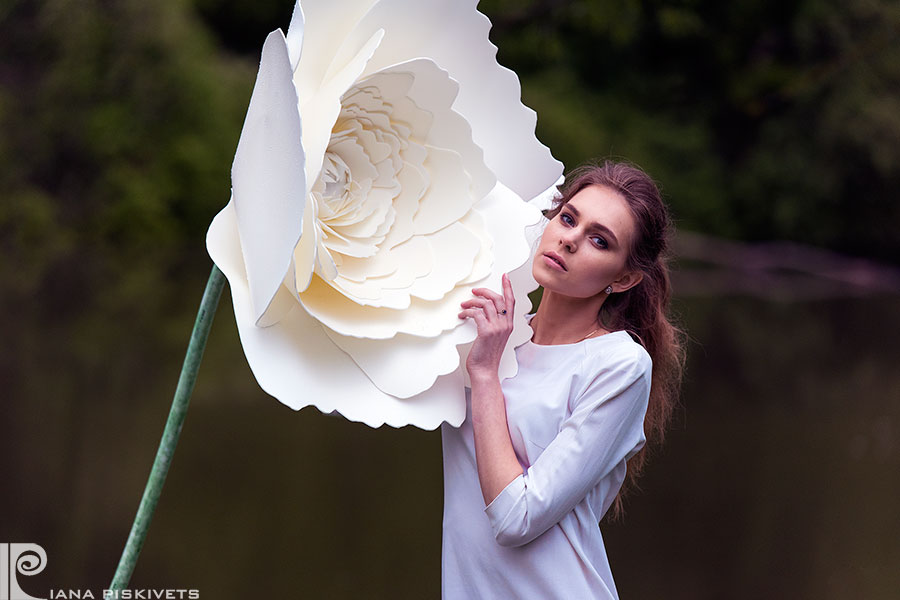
(571, 344)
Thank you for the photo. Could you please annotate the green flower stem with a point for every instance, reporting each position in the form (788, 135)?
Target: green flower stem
(173, 429)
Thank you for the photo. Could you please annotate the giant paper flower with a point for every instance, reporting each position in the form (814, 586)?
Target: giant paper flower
(379, 177)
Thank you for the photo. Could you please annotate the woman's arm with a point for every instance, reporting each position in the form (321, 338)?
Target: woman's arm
(494, 453)
(604, 430)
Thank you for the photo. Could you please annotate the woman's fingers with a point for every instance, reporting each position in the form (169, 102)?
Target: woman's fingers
(479, 308)
(477, 314)
(486, 305)
(508, 294)
(487, 293)
(499, 302)
(489, 304)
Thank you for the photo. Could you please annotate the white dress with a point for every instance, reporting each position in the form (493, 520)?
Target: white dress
(576, 414)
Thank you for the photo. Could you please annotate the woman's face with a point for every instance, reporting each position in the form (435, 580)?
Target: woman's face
(585, 247)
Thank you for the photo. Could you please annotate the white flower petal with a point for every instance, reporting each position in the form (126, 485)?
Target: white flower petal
(414, 181)
(421, 318)
(455, 36)
(284, 302)
(433, 90)
(304, 254)
(394, 269)
(368, 294)
(325, 266)
(387, 362)
(295, 361)
(321, 110)
(506, 218)
(545, 200)
(324, 34)
(448, 198)
(359, 269)
(268, 177)
(454, 249)
(474, 222)
(294, 37)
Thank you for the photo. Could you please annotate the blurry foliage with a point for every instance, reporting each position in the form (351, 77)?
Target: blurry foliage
(119, 122)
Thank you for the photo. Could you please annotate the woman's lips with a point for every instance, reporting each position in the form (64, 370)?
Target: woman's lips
(553, 260)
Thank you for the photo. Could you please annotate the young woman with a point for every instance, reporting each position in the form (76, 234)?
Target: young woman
(542, 457)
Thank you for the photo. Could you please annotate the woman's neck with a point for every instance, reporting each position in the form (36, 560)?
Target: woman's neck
(566, 320)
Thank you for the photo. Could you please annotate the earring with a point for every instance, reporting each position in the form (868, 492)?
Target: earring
(608, 289)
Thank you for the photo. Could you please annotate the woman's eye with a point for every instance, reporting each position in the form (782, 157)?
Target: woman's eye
(599, 242)
(567, 219)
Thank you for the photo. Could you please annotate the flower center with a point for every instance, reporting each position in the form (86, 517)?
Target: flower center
(359, 180)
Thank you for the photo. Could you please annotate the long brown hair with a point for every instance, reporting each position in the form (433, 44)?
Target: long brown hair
(643, 310)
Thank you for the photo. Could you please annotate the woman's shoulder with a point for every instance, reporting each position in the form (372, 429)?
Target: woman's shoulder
(617, 350)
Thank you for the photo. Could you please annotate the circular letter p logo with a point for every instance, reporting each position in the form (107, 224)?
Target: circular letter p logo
(19, 559)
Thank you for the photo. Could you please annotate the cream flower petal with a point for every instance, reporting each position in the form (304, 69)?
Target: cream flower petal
(304, 255)
(434, 90)
(545, 200)
(506, 217)
(294, 36)
(296, 362)
(268, 180)
(454, 249)
(414, 181)
(421, 318)
(321, 110)
(412, 260)
(387, 361)
(447, 199)
(474, 222)
(324, 32)
(455, 36)
(402, 263)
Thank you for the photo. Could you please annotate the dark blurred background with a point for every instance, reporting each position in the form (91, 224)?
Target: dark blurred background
(774, 129)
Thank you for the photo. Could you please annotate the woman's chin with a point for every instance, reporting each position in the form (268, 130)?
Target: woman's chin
(549, 280)
(539, 272)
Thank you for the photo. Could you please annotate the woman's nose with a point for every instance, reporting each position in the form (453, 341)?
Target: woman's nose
(568, 240)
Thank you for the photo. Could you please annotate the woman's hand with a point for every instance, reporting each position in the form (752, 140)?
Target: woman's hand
(493, 315)
(494, 452)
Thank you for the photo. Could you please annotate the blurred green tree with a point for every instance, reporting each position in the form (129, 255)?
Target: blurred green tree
(119, 123)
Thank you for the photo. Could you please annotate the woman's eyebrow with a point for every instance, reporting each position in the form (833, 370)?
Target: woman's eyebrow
(595, 225)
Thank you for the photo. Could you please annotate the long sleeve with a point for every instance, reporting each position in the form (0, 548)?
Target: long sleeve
(603, 431)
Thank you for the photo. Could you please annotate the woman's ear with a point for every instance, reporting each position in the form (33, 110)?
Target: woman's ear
(627, 281)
